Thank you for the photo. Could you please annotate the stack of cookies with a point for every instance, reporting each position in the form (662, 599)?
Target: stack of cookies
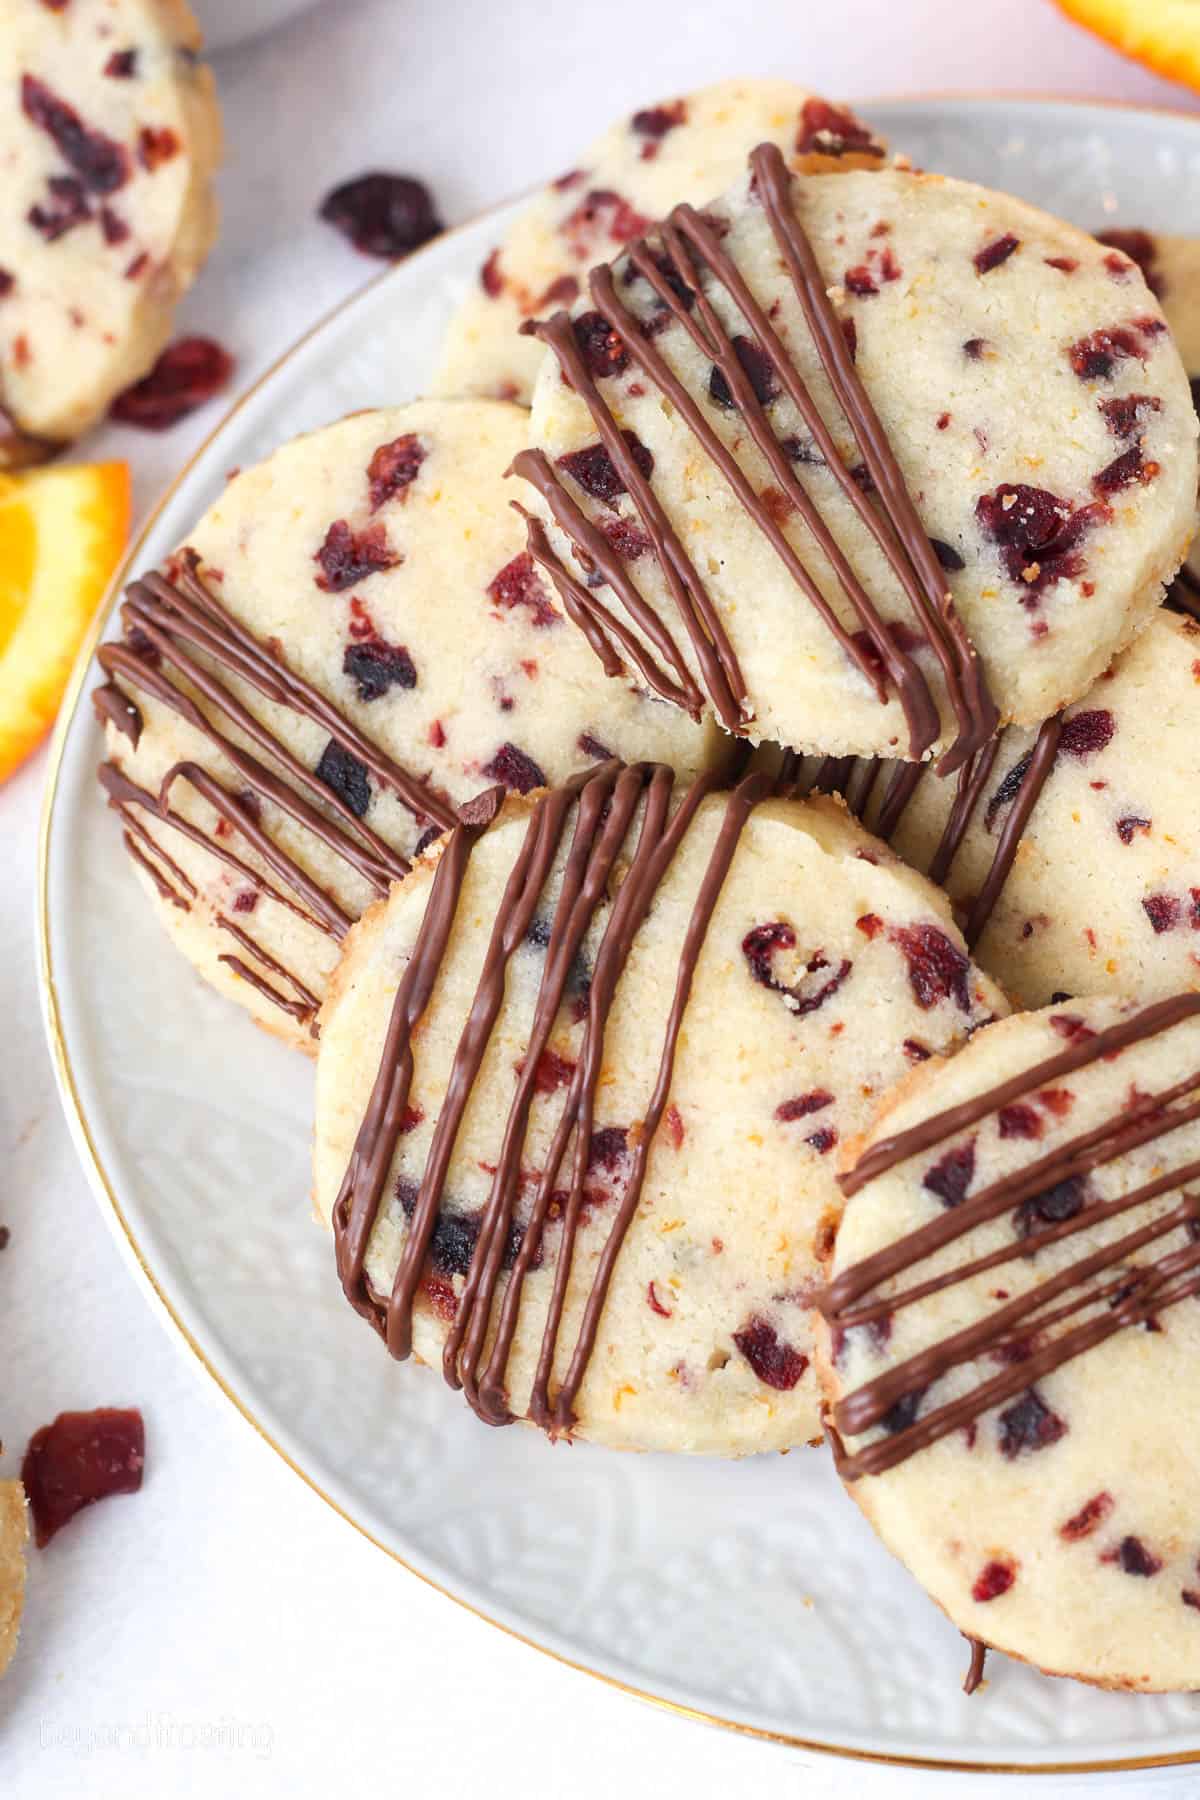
(650, 773)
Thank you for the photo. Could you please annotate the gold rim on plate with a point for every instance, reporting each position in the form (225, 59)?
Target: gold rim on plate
(105, 1192)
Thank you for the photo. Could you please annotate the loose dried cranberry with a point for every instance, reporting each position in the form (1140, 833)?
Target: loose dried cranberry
(803, 1105)
(946, 554)
(515, 770)
(951, 1175)
(394, 467)
(775, 1362)
(594, 470)
(599, 345)
(1051, 1207)
(101, 164)
(1087, 732)
(1029, 1425)
(1092, 1513)
(382, 214)
(1128, 825)
(1095, 357)
(68, 206)
(347, 556)
(1020, 1121)
(759, 371)
(937, 969)
(1125, 414)
(1140, 248)
(375, 667)
(189, 372)
(342, 771)
(1038, 533)
(1135, 1559)
(1123, 470)
(994, 1579)
(79, 1459)
(860, 281)
(995, 253)
(832, 130)
(519, 584)
(122, 65)
(1162, 910)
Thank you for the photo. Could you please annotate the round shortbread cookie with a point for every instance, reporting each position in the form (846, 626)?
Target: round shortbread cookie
(109, 140)
(1020, 1431)
(819, 968)
(14, 1535)
(688, 148)
(1041, 470)
(1071, 853)
(371, 577)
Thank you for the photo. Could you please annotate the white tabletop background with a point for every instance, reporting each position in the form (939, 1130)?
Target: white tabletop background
(225, 1633)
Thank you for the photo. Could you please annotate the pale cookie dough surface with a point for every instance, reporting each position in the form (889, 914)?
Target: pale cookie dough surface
(454, 659)
(826, 968)
(685, 148)
(1064, 1529)
(1104, 893)
(109, 138)
(1033, 399)
(14, 1535)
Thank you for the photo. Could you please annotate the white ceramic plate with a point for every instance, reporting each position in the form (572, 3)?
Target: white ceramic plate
(750, 1593)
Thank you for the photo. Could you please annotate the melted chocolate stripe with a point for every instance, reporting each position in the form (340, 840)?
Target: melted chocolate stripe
(1045, 750)
(973, 706)
(112, 707)
(162, 885)
(968, 791)
(889, 1151)
(304, 1008)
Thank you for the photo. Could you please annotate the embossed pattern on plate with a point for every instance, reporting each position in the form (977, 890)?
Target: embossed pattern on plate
(753, 1592)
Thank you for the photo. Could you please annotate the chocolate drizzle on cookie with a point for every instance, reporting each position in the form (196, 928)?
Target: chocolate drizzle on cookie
(598, 812)
(855, 780)
(181, 648)
(681, 272)
(1102, 1284)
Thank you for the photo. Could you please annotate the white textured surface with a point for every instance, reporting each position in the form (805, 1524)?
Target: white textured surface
(226, 1596)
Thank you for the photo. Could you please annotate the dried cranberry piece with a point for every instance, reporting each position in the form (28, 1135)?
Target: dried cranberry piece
(776, 1363)
(589, 745)
(937, 969)
(1051, 1207)
(1020, 1121)
(832, 130)
(599, 345)
(394, 467)
(975, 348)
(1087, 732)
(519, 584)
(189, 372)
(1140, 248)
(951, 1175)
(1085, 1521)
(601, 211)
(113, 227)
(1038, 533)
(903, 1412)
(122, 65)
(515, 770)
(8, 282)
(1095, 357)
(822, 1141)
(946, 554)
(1163, 912)
(860, 281)
(101, 164)
(627, 539)
(347, 556)
(1123, 471)
(430, 835)
(560, 292)
(1029, 1425)
(994, 1579)
(802, 1105)
(490, 278)
(608, 1148)
(382, 214)
(760, 944)
(342, 771)
(1135, 1559)
(1128, 825)
(1125, 414)
(594, 470)
(995, 253)
(79, 1459)
(553, 1072)
(68, 207)
(157, 144)
(375, 667)
(759, 371)
(654, 122)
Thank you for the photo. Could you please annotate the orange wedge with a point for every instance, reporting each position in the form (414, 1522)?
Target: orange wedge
(1164, 35)
(62, 531)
